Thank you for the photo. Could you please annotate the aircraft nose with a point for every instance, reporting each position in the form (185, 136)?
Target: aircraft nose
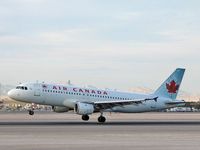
(11, 93)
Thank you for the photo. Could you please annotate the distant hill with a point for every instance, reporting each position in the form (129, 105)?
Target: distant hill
(144, 90)
(188, 97)
(5, 88)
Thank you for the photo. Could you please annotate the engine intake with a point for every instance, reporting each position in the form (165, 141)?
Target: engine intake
(84, 108)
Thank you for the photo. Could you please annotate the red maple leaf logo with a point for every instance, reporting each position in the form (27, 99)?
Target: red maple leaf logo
(172, 87)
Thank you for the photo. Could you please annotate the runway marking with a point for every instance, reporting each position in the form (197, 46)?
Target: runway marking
(133, 123)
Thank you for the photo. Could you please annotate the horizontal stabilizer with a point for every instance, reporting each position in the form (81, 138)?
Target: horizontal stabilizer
(175, 102)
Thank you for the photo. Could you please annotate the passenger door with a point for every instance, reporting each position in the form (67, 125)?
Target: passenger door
(37, 89)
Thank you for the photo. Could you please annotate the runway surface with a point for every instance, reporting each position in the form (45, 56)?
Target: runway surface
(49, 131)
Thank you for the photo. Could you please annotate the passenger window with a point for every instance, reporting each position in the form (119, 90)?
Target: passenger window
(26, 88)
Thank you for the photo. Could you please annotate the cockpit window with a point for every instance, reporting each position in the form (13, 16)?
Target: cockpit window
(22, 87)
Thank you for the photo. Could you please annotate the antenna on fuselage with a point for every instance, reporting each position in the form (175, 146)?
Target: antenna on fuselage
(69, 82)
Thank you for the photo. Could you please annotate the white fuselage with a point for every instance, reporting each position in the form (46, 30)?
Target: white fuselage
(61, 95)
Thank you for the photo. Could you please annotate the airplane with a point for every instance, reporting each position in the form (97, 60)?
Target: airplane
(86, 101)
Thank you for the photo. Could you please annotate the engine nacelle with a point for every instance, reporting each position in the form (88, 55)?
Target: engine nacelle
(60, 109)
(83, 108)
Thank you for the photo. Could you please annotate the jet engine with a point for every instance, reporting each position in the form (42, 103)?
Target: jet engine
(60, 109)
(84, 108)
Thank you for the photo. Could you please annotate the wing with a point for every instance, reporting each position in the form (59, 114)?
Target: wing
(102, 105)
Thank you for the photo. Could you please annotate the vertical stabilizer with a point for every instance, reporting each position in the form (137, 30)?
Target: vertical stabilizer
(170, 87)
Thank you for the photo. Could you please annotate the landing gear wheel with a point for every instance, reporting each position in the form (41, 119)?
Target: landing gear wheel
(31, 112)
(101, 119)
(85, 117)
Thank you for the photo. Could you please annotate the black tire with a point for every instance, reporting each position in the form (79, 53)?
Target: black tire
(101, 119)
(85, 117)
(31, 112)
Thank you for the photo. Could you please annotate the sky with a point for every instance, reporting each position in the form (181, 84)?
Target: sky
(105, 43)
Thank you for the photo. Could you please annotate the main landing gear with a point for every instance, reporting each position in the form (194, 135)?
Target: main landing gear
(101, 118)
(85, 117)
(31, 112)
